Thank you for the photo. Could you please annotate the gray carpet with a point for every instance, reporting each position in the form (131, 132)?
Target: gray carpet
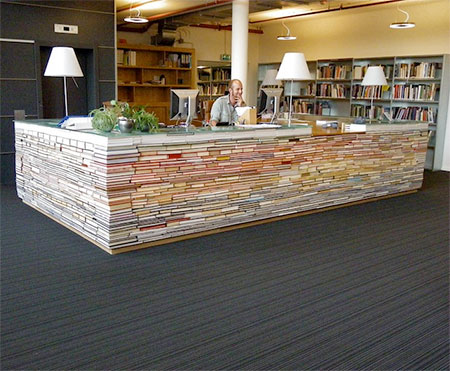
(362, 287)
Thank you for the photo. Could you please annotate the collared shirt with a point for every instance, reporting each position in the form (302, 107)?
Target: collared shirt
(223, 111)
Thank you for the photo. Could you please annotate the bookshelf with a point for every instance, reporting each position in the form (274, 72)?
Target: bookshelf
(145, 75)
(361, 95)
(213, 79)
(418, 86)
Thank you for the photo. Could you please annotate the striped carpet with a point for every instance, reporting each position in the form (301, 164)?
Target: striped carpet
(362, 287)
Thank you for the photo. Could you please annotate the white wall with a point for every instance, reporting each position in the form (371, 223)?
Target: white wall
(362, 32)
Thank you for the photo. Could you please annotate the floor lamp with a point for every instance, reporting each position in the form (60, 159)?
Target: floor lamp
(63, 63)
(293, 68)
(374, 77)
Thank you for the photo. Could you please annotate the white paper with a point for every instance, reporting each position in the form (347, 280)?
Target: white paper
(77, 123)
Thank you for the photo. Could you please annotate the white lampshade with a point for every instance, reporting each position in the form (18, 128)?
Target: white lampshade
(271, 78)
(293, 67)
(374, 77)
(63, 62)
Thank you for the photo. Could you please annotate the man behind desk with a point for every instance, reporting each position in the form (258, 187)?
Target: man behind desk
(223, 111)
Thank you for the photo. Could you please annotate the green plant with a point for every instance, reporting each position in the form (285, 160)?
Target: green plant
(145, 121)
(121, 109)
(103, 119)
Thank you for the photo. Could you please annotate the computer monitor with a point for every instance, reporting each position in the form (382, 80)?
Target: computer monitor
(183, 104)
(270, 101)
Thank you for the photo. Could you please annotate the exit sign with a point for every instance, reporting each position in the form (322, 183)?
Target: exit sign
(225, 57)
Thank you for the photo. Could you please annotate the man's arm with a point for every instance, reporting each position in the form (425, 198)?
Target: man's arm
(215, 113)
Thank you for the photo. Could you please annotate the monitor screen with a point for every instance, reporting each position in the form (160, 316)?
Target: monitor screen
(183, 104)
(270, 101)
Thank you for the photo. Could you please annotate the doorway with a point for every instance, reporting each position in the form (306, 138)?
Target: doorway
(80, 96)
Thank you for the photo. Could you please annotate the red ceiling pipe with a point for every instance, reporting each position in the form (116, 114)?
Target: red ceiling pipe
(191, 9)
(327, 10)
(219, 27)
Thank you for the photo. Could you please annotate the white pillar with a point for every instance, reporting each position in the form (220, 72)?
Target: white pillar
(239, 43)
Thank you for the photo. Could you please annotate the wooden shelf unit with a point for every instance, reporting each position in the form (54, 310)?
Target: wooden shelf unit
(146, 77)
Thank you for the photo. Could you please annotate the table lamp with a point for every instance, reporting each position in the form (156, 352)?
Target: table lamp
(293, 68)
(270, 78)
(374, 77)
(63, 63)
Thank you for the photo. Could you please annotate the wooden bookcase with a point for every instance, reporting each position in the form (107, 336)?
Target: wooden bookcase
(213, 79)
(418, 90)
(145, 75)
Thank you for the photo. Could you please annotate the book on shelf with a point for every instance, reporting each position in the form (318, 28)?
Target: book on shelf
(126, 58)
(333, 71)
(360, 110)
(418, 70)
(332, 90)
(323, 108)
(303, 106)
(119, 56)
(416, 91)
(415, 113)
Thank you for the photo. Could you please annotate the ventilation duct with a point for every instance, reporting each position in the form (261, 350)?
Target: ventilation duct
(166, 34)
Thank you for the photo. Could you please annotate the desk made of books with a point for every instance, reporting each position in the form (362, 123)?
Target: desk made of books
(129, 191)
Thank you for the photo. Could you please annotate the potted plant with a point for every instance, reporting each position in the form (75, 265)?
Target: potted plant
(124, 114)
(145, 121)
(103, 119)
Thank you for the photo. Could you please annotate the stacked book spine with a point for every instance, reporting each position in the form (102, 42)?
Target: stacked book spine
(122, 191)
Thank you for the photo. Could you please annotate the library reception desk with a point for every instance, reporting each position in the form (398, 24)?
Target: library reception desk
(128, 191)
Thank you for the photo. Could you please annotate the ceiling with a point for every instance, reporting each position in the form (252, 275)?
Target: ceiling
(177, 13)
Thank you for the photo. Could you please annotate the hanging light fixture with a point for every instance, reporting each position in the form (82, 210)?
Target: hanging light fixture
(136, 19)
(404, 24)
(288, 36)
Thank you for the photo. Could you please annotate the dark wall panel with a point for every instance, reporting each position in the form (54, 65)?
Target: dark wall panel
(93, 5)
(7, 134)
(8, 168)
(17, 60)
(37, 23)
(106, 65)
(21, 62)
(107, 91)
(18, 95)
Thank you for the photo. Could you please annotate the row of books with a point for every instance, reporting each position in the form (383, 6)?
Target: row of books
(221, 74)
(179, 60)
(360, 71)
(333, 90)
(416, 92)
(365, 92)
(333, 71)
(309, 89)
(417, 70)
(214, 89)
(323, 108)
(359, 110)
(414, 113)
(302, 106)
(126, 58)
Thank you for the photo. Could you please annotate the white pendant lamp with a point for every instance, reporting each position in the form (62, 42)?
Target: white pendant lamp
(136, 19)
(288, 36)
(405, 24)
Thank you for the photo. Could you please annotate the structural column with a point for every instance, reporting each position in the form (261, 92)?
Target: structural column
(239, 43)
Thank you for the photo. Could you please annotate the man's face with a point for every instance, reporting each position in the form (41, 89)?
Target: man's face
(235, 92)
